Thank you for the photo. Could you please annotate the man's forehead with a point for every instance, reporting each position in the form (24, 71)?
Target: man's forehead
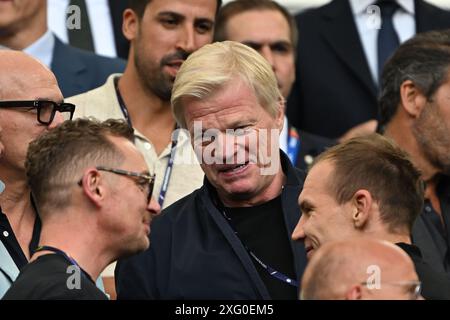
(197, 9)
(256, 24)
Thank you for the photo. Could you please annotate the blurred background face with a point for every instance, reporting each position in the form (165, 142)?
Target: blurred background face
(323, 219)
(267, 31)
(20, 125)
(168, 32)
(18, 14)
(235, 106)
(432, 129)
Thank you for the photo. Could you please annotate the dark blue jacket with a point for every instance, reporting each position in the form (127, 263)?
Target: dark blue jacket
(78, 71)
(194, 253)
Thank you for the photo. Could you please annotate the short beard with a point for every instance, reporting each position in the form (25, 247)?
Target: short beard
(433, 137)
(153, 79)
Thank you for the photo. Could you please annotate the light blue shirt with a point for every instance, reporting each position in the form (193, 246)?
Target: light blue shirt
(41, 49)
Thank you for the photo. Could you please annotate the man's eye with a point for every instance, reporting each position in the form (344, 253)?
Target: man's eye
(281, 48)
(31, 110)
(170, 23)
(204, 27)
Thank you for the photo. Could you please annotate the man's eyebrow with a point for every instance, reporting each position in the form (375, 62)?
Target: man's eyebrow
(305, 205)
(171, 14)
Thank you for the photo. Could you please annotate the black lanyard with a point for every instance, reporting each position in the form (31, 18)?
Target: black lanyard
(65, 255)
(168, 171)
(271, 271)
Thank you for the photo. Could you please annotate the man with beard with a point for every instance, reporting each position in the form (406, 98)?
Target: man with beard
(415, 112)
(162, 34)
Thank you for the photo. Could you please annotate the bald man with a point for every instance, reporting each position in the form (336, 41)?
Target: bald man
(360, 269)
(30, 104)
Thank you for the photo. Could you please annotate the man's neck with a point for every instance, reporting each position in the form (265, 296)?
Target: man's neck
(79, 241)
(271, 192)
(409, 144)
(25, 35)
(150, 115)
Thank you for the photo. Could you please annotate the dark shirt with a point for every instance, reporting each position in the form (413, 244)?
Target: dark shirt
(49, 278)
(430, 234)
(11, 244)
(435, 285)
(263, 231)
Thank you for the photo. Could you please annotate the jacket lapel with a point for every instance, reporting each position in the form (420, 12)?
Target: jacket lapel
(339, 31)
(291, 211)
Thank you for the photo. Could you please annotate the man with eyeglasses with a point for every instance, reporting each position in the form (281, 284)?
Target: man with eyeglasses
(360, 269)
(366, 188)
(30, 104)
(94, 194)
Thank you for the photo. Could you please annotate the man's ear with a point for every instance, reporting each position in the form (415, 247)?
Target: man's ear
(412, 99)
(354, 293)
(361, 208)
(279, 120)
(93, 186)
(130, 24)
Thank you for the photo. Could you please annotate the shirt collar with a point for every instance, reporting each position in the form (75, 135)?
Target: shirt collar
(360, 6)
(2, 186)
(42, 49)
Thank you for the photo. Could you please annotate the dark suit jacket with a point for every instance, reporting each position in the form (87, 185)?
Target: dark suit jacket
(78, 71)
(195, 254)
(311, 146)
(435, 285)
(334, 90)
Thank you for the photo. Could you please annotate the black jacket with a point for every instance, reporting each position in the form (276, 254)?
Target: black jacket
(334, 89)
(435, 285)
(194, 253)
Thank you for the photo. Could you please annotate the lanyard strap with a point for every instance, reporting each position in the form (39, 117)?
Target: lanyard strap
(271, 271)
(293, 145)
(60, 252)
(168, 171)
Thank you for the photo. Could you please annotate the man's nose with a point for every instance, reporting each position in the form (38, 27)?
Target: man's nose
(299, 233)
(153, 207)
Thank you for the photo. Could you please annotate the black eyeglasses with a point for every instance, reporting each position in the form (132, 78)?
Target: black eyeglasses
(45, 109)
(142, 181)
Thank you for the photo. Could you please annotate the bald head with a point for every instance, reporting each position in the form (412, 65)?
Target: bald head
(339, 270)
(21, 72)
(23, 78)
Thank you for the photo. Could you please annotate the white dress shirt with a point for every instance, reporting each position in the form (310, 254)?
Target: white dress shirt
(404, 24)
(99, 19)
(41, 49)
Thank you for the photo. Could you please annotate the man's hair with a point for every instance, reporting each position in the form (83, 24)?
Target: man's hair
(139, 6)
(236, 7)
(214, 66)
(57, 159)
(424, 60)
(377, 165)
